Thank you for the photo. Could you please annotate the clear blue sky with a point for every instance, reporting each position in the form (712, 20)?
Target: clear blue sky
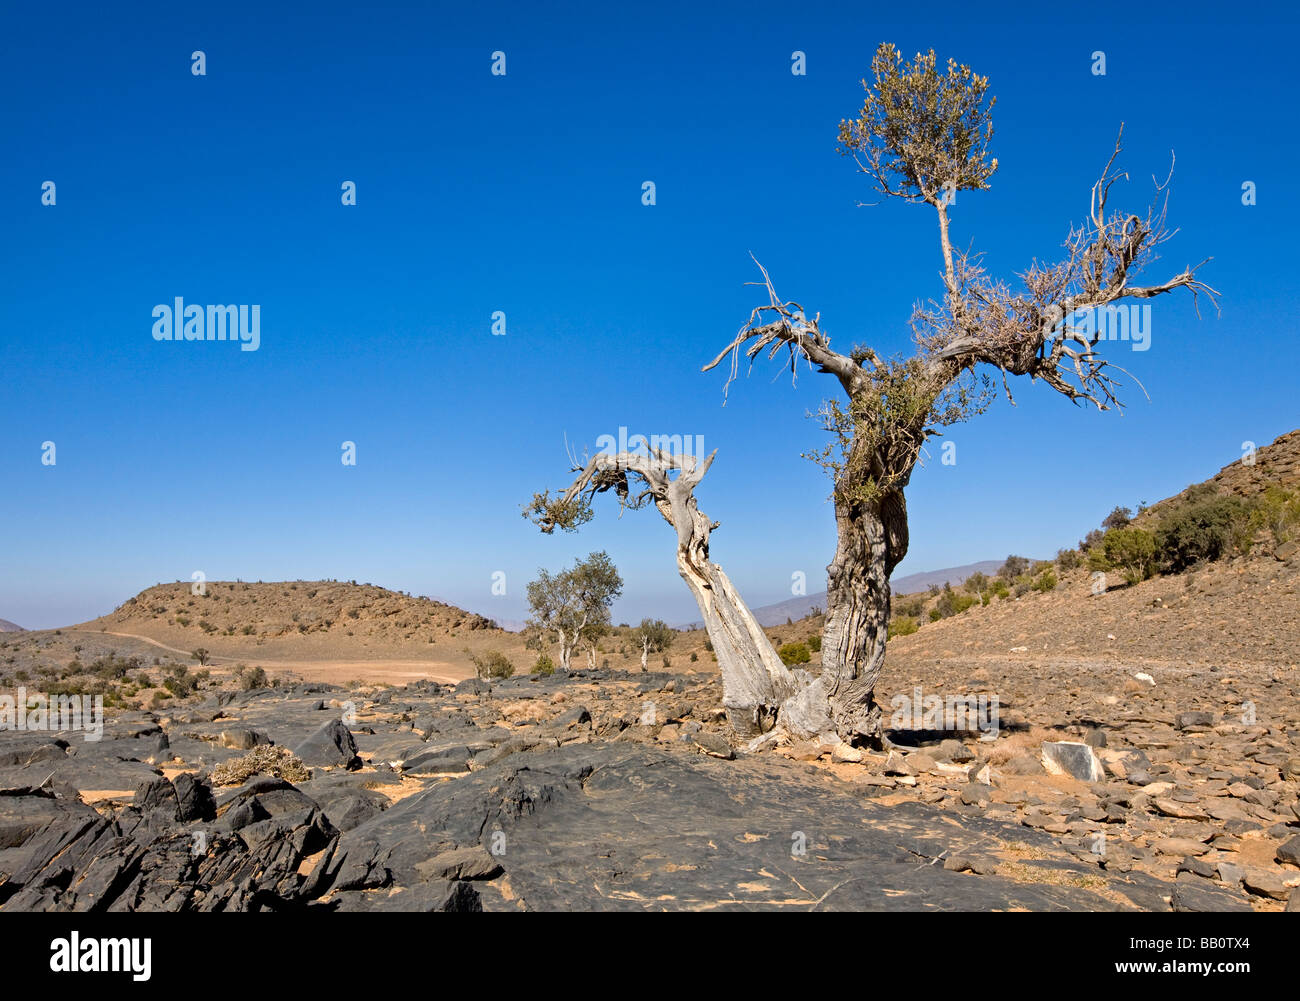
(522, 193)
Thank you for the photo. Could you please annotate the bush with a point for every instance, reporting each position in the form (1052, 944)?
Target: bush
(264, 759)
(1202, 530)
(1278, 511)
(544, 666)
(935, 615)
(815, 644)
(794, 653)
(1119, 517)
(493, 664)
(904, 625)
(1091, 540)
(1046, 580)
(1129, 550)
(250, 678)
(1068, 559)
(1013, 567)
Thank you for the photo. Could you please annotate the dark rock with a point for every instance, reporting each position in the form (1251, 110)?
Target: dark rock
(1194, 721)
(1191, 893)
(331, 745)
(194, 799)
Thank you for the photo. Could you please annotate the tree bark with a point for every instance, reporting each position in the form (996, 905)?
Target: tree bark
(872, 542)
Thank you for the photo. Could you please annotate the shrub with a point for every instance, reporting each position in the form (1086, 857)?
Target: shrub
(493, 664)
(1090, 540)
(1129, 550)
(935, 615)
(1046, 580)
(1013, 567)
(1278, 511)
(904, 625)
(251, 678)
(694, 656)
(544, 666)
(264, 759)
(1202, 530)
(794, 653)
(1119, 517)
(201, 655)
(1068, 559)
(815, 643)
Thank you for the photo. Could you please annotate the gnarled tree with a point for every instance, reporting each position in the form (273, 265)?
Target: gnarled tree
(757, 688)
(922, 135)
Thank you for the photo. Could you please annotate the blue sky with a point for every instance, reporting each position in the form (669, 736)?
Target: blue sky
(522, 193)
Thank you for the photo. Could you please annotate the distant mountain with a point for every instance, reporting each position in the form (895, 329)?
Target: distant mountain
(8, 627)
(797, 608)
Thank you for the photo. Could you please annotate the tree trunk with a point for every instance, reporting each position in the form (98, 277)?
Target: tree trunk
(872, 541)
(758, 689)
(645, 652)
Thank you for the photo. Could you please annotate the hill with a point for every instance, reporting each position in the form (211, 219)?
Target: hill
(779, 612)
(10, 627)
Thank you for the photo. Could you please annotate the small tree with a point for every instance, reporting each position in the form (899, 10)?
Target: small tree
(1013, 567)
(201, 655)
(572, 606)
(1118, 518)
(655, 636)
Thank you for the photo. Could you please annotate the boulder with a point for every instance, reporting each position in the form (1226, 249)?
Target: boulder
(331, 745)
(1078, 760)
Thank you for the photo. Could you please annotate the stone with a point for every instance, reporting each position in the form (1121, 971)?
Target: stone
(846, 754)
(896, 764)
(714, 744)
(1179, 811)
(1072, 758)
(331, 745)
(1289, 851)
(1179, 846)
(1191, 893)
(1194, 721)
(1265, 883)
(242, 739)
(1023, 764)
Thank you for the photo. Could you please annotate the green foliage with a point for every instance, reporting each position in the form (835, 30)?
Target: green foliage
(794, 653)
(935, 615)
(544, 666)
(492, 664)
(1046, 580)
(1119, 517)
(815, 643)
(658, 633)
(1278, 512)
(1131, 550)
(903, 625)
(1013, 567)
(922, 130)
(1202, 530)
(250, 678)
(1068, 559)
(201, 655)
(910, 606)
(574, 602)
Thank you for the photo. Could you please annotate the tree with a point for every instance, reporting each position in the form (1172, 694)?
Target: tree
(572, 606)
(757, 688)
(655, 636)
(201, 655)
(1118, 518)
(923, 135)
(1013, 567)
